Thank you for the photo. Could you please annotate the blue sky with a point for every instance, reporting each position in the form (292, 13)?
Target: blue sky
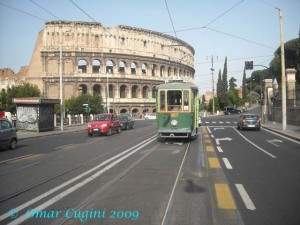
(239, 29)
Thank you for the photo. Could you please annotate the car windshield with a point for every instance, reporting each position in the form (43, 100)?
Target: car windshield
(123, 118)
(251, 117)
(102, 118)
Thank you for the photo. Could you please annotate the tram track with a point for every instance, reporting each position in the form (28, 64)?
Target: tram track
(41, 182)
(113, 161)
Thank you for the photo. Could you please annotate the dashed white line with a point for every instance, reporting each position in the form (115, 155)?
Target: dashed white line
(227, 163)
(219, 149)
(245, 197)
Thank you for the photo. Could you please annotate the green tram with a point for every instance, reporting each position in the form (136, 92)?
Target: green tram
(177, 110)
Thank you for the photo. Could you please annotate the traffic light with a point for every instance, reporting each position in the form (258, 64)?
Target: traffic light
(249, 65)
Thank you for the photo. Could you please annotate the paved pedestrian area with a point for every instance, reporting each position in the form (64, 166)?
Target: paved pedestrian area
(290, 131)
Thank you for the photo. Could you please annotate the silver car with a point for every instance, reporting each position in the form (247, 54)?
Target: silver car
(249, 121)
(8, 135)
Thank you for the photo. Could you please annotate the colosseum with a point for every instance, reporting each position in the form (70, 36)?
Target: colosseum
(122, 64)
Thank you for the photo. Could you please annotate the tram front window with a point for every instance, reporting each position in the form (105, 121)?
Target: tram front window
(174, 99)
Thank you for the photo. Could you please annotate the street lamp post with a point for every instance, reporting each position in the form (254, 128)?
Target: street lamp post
(61, 84)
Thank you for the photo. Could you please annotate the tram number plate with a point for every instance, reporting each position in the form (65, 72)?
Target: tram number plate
(174, 114)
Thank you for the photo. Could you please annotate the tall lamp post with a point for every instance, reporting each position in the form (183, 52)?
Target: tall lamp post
(60, 83)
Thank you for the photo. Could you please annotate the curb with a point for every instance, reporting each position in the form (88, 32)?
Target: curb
(282, 133)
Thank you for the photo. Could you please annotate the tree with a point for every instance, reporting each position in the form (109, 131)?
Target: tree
(223, 87)
(244, 87)
(74, 105)
(22, 91)
(292, 60)
(232, 83)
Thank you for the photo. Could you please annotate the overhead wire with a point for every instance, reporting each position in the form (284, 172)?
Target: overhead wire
(45, 9)
(21, 11)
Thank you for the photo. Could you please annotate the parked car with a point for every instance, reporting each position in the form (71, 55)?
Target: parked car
(150, 116)
(104, 123)
(126, 121)
(8, 135)
(230, 110)
(249, 121)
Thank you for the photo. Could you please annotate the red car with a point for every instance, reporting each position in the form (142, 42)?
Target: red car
(104, 123)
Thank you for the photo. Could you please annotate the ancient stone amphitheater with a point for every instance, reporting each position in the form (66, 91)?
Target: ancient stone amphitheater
(122, 64)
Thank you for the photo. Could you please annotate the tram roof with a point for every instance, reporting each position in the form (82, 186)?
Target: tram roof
(177, 85)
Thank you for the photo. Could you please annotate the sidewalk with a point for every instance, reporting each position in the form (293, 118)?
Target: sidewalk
(291, 131)
(67, 129)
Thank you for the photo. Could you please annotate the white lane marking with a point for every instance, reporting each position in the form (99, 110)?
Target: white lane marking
(219, 128)
(221, 122)
(228, 122)
(209, 131)
(212, 136)
(244, 195)
(274, 140)
(175, 152)
(36, 199)
(223, 139)
(20, 157)
(227, 163)
(266, 152)
(219, 149)
(206, 122)
(214, 122)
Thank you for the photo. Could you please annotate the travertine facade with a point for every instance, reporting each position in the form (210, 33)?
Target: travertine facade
(130, 61)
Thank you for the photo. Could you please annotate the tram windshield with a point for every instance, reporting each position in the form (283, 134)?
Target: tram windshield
(174, 100)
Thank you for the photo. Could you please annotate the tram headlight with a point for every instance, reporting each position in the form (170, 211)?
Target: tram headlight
(174, 123)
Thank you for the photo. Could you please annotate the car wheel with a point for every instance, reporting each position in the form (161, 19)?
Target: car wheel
(13, 144)
(109, 132)
(132, 126)
(90, 135)
(241, 128)
(119, 130)
(127, 127)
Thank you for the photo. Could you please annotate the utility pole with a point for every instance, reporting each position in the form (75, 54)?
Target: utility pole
(60, 82)
(283, 80)
(213, 83)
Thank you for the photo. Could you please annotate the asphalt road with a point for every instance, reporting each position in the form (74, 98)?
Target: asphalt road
(225, 176)
(262, 170)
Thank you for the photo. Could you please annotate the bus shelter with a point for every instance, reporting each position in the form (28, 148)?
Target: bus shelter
(35, 114)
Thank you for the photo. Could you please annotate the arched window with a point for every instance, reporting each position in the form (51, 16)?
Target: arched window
(154, 68)
(134, 91)
(144, 68)
(109, 67)
(82, 68)
(111, 91)
(96, 66)
(145, 92)
(162, 71)
(169, 71)
(122, 66)
(133, 68)
(82, 89)
(97, 89)
(123, 91)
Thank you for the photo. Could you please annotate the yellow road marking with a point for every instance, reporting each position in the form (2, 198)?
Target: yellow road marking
(26, 158)
(214, 163)
(209, 148)
(207, 141)
(224, 197)
(72, 146)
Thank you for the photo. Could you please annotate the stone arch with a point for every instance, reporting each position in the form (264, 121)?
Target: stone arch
(153, 70)
(111, 91)
(122, 66)
(123, 110)
(145, 91)
(82, 89)
(135, 91)
(135, 111)
(97, 89)
(53, 67)
(123, 91)
(144, 68)
(153, 92)
(82, 66)
(162, 71)
(96, 66)
(109, 66)
(169, 73)
(175, 71)
(133, 67)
